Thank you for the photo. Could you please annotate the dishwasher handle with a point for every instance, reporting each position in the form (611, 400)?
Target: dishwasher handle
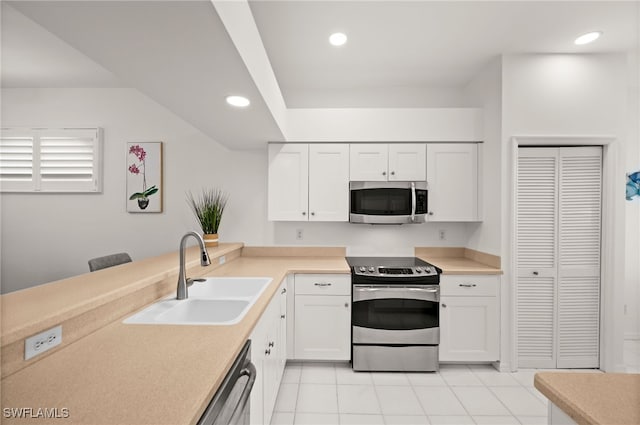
(251, 372)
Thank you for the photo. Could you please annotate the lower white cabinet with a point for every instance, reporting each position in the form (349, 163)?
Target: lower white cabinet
(322, 325)
(269, 355)
(469, 318)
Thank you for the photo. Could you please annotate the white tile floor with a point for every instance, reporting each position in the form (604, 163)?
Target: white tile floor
(333, 394)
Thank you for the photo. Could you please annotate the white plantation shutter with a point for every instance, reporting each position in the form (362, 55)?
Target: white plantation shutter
(62, 160)
(580, 189)
(16, 160)
(558, 257)
(536, 256)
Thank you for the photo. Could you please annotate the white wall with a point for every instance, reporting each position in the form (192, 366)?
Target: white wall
(384, 124)
(571, 95)
(485, 91)
(632, 208)
(46, 237)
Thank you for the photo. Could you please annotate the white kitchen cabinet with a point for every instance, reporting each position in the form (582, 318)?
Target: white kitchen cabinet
(469, 318)
(288, 185)
(452, 175)
(308, 182)
(322, 317)
(388, 162)
(329, 182)
(368, 161)
(407, 162)
(268, 354)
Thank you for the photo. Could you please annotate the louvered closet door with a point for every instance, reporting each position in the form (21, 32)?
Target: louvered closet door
(580, 189)
(536, 256)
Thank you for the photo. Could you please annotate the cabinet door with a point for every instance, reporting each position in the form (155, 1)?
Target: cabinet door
(288, 187)
(452, 175)
(469, 329)
(329, 182)
(368, 161)
(407, 162)
(323, 327)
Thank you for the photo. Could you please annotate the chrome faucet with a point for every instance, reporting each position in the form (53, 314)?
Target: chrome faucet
(183, 282)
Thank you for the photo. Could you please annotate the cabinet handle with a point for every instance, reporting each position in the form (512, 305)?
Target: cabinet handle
(282, 316)
(430, 212)
(535, 273)
(312, 213)
(267, 352)
(284, 291)
(468, 285)
(271, 344)
(304, 213)
(384, 173)
(444, 305)
(393, 173)
(346, 305)
(322, 284)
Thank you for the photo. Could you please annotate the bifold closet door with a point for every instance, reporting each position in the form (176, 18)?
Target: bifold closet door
(536, 253)
(558, 256)
(580, 200)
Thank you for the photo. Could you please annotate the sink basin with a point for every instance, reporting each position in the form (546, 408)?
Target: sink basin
(229, 287)
(212, 301)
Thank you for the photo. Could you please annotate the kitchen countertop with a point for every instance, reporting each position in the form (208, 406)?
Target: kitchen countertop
(149, 374)
(460, 260)
(593, 398)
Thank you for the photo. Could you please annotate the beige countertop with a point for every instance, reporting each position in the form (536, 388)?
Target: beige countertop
(149, 374)
(593, 398)
(460, 260)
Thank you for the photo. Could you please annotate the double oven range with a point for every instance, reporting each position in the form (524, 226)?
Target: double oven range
(395, 318)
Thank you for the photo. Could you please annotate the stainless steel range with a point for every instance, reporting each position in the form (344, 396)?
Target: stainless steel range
(395, 314)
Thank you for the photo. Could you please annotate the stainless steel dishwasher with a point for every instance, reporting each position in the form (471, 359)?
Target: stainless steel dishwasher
(230, 405)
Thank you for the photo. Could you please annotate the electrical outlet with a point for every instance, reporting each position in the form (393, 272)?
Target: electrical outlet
(222, 259)
(299, 234)
(442, 235)
(42, 342)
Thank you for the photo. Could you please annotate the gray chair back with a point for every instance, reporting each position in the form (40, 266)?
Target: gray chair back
(108, 261)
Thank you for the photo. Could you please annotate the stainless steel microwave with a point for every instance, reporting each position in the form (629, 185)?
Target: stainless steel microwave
(388, 202)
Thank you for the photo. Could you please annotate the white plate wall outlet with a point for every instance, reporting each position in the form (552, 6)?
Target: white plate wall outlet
(222, 259)
(42, 342)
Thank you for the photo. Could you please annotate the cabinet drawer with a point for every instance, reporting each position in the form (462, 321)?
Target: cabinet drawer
(323, 284)
(471, 285)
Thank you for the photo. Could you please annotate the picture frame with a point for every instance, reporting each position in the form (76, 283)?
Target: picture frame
(144, 177)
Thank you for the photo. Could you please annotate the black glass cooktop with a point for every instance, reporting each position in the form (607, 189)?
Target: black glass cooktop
(388, 262)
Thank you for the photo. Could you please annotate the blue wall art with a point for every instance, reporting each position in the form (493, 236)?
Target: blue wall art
(633, 185)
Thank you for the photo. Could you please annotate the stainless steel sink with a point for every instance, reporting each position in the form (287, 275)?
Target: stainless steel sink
(213, 301)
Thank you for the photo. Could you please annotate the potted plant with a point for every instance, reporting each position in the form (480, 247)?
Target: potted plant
(208, 209)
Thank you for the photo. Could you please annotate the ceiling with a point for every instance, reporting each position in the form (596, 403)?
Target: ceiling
(418, 45)
(399, 54)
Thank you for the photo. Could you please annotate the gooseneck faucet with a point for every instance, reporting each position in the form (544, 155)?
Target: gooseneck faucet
(182, 277)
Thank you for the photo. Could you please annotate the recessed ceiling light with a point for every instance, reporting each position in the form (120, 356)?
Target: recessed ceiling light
(588, 37)
(239, 101)
(338, 39)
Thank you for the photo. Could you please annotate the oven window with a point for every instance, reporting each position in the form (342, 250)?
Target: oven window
(391, 201)
(396, 314)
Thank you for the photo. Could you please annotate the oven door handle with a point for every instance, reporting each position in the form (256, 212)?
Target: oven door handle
(369, 292)
(413, 202)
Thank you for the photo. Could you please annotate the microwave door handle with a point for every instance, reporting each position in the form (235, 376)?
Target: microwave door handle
(413, 202)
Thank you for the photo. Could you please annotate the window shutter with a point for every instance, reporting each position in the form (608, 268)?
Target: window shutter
(50, 160)
(69, 160)
(16, 160)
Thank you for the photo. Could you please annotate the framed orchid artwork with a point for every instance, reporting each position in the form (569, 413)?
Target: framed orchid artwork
(633, 186)
(144, 177)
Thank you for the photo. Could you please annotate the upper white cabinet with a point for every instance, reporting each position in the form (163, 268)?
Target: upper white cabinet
(387, 162)
(308, 182)
(329, 182)
(288, 182)
(452, 175)
(407, 162)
